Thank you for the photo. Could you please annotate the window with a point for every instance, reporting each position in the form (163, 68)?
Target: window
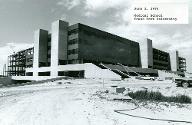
(73, 51)
(78, 74)
(74, 31)
(44, 73)
(74, 41)
(29, 74)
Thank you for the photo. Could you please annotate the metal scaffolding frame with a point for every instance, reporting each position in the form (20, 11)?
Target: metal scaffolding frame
(17, 62)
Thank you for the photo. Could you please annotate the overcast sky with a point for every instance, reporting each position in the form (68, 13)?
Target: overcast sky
(20, 18)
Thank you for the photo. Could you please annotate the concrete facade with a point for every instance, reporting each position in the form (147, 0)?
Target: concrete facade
(154, 58)
(40, 49)
(146, 53)
(59, 39)
(174, 61)
(90, 71)
(177, 63)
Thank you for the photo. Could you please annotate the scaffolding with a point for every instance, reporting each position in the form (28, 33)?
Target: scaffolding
(19, 61)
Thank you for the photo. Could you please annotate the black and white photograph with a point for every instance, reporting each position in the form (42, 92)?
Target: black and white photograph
(95, 62)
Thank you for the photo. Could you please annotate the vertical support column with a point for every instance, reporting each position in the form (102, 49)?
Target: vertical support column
(174, 60)
(59, 39)
(40, 50)
(150, 53)
(146, 51)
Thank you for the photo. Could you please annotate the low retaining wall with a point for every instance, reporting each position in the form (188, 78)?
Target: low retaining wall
(9, 82)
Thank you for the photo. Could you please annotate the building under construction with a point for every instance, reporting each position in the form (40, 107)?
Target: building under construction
(18, 62)
(78, 50)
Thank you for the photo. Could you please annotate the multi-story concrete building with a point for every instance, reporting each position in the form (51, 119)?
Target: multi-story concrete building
(78, 50)
(161, 60)
(82, 44)
(79, 44)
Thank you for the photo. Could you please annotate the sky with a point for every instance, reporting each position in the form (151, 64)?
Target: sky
(20, 18)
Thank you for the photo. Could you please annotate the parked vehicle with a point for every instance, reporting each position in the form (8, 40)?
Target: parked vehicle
(183, 82)
(147, 77)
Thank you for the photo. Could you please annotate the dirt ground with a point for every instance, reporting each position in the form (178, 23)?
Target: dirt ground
(86, 102)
